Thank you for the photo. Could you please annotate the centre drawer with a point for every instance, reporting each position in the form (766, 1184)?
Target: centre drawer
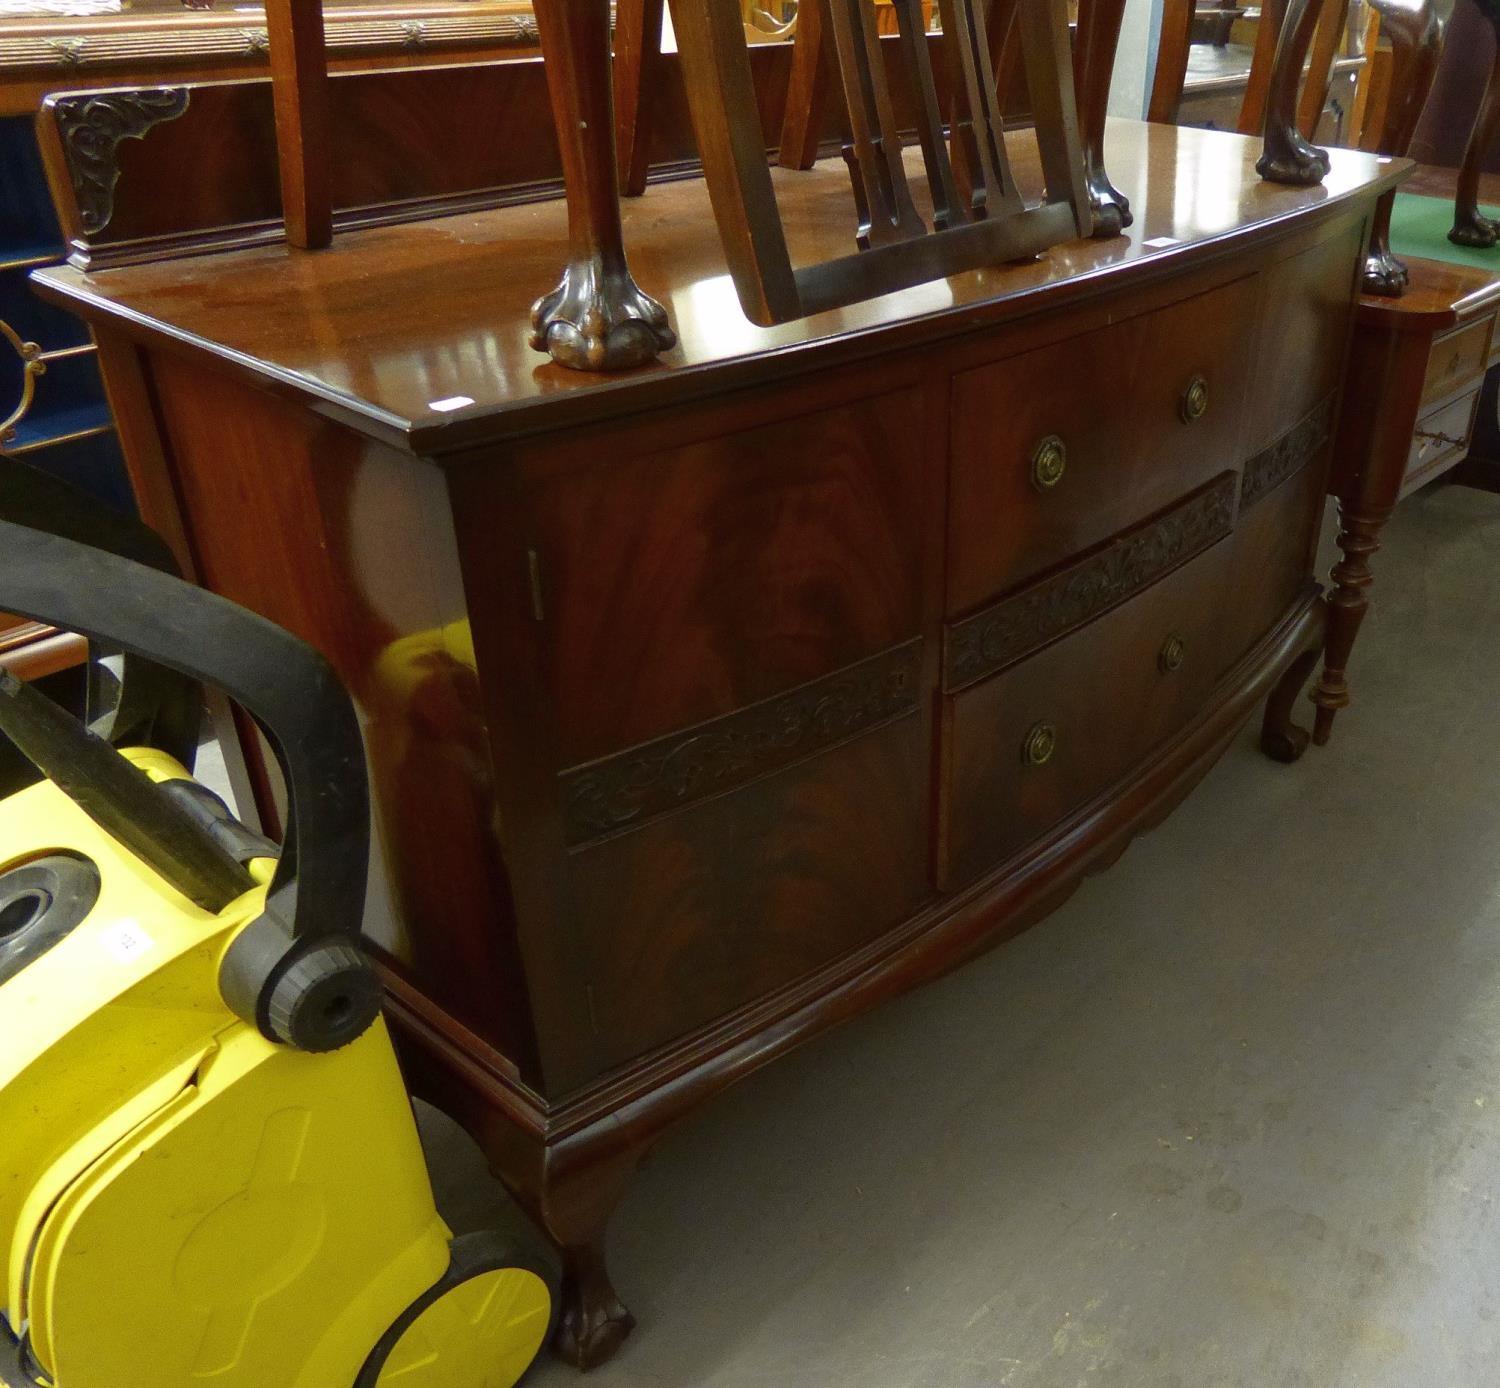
(1057, 449)
(1042, 738)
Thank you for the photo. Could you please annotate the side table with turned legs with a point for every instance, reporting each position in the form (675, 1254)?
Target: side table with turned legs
(1416, 370)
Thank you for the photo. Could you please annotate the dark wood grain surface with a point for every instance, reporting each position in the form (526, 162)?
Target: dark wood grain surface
(395, 319)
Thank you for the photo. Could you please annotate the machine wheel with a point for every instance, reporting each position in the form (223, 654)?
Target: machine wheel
(41, 903)
(482, 1326)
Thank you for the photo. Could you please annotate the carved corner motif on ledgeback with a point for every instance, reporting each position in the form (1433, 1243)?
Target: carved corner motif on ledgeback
(92, 128)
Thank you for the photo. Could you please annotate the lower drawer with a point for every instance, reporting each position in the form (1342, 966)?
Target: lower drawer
(1441, 437)
(1041, 739)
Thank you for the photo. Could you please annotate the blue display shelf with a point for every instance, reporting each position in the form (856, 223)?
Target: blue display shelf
(68, 431)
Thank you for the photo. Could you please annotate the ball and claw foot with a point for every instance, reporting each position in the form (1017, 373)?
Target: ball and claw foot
(1285, 743)
(592, 1328)
(1111, 209)
(1280, 738)
(1293, 160)
(598, 321)
(1384, 275)
(1474, 229)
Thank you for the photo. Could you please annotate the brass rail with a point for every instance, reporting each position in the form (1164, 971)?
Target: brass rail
(34, 363)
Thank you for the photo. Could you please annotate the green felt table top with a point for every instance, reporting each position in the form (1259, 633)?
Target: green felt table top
(1419, 227)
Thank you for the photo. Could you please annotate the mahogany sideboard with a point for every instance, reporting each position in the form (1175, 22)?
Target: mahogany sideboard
(712, 703)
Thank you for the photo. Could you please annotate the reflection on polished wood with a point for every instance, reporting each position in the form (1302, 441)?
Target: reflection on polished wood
(668, 774)
(464, 287)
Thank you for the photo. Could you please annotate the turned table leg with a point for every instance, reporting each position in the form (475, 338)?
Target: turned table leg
(1360, 524)
(1288, 156)
(1093, 67)
(597, 319)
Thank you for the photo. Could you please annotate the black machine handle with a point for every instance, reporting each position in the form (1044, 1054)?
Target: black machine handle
(297, 972)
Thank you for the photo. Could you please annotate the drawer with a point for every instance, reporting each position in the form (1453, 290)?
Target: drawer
(1056, 450)
(1456, 359)
(1042, 738)
(1441, 436)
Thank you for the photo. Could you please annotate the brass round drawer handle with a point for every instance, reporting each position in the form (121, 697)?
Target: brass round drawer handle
(1040, 744)
(1173, 652)
(1195, 400)
(1049, 460)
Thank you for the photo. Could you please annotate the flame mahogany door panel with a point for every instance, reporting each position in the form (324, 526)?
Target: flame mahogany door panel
(727, 636)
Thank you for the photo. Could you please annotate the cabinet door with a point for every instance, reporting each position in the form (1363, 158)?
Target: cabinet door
(728, 632)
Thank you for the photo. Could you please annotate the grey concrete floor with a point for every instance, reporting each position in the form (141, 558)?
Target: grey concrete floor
(1228, 1119)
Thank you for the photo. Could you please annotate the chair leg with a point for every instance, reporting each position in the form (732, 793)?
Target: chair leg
(638, 65)
(598, 318)
(1287, 156)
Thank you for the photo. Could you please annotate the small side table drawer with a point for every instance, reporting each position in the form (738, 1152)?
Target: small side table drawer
(1441, 438)
(1456, 359)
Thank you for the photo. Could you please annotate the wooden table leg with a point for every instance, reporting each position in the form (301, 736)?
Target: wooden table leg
(1360, 522)
(575, 1207)
(597, 319)
(1371, 450)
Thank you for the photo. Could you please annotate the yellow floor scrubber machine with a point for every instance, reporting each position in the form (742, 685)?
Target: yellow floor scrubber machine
(210, 1172)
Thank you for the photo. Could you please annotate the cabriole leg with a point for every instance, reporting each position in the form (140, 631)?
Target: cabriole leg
(1288, 157)
(1093, 66)
(579, 1194)
(597, 319)
(1415, 29)
(1470, 226)
(1281, 738)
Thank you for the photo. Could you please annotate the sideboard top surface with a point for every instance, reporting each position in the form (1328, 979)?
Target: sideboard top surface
(417, 334)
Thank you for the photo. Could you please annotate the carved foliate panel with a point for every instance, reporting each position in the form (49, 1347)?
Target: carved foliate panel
(1292, 452)
(1007, 631)
(630, 788)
